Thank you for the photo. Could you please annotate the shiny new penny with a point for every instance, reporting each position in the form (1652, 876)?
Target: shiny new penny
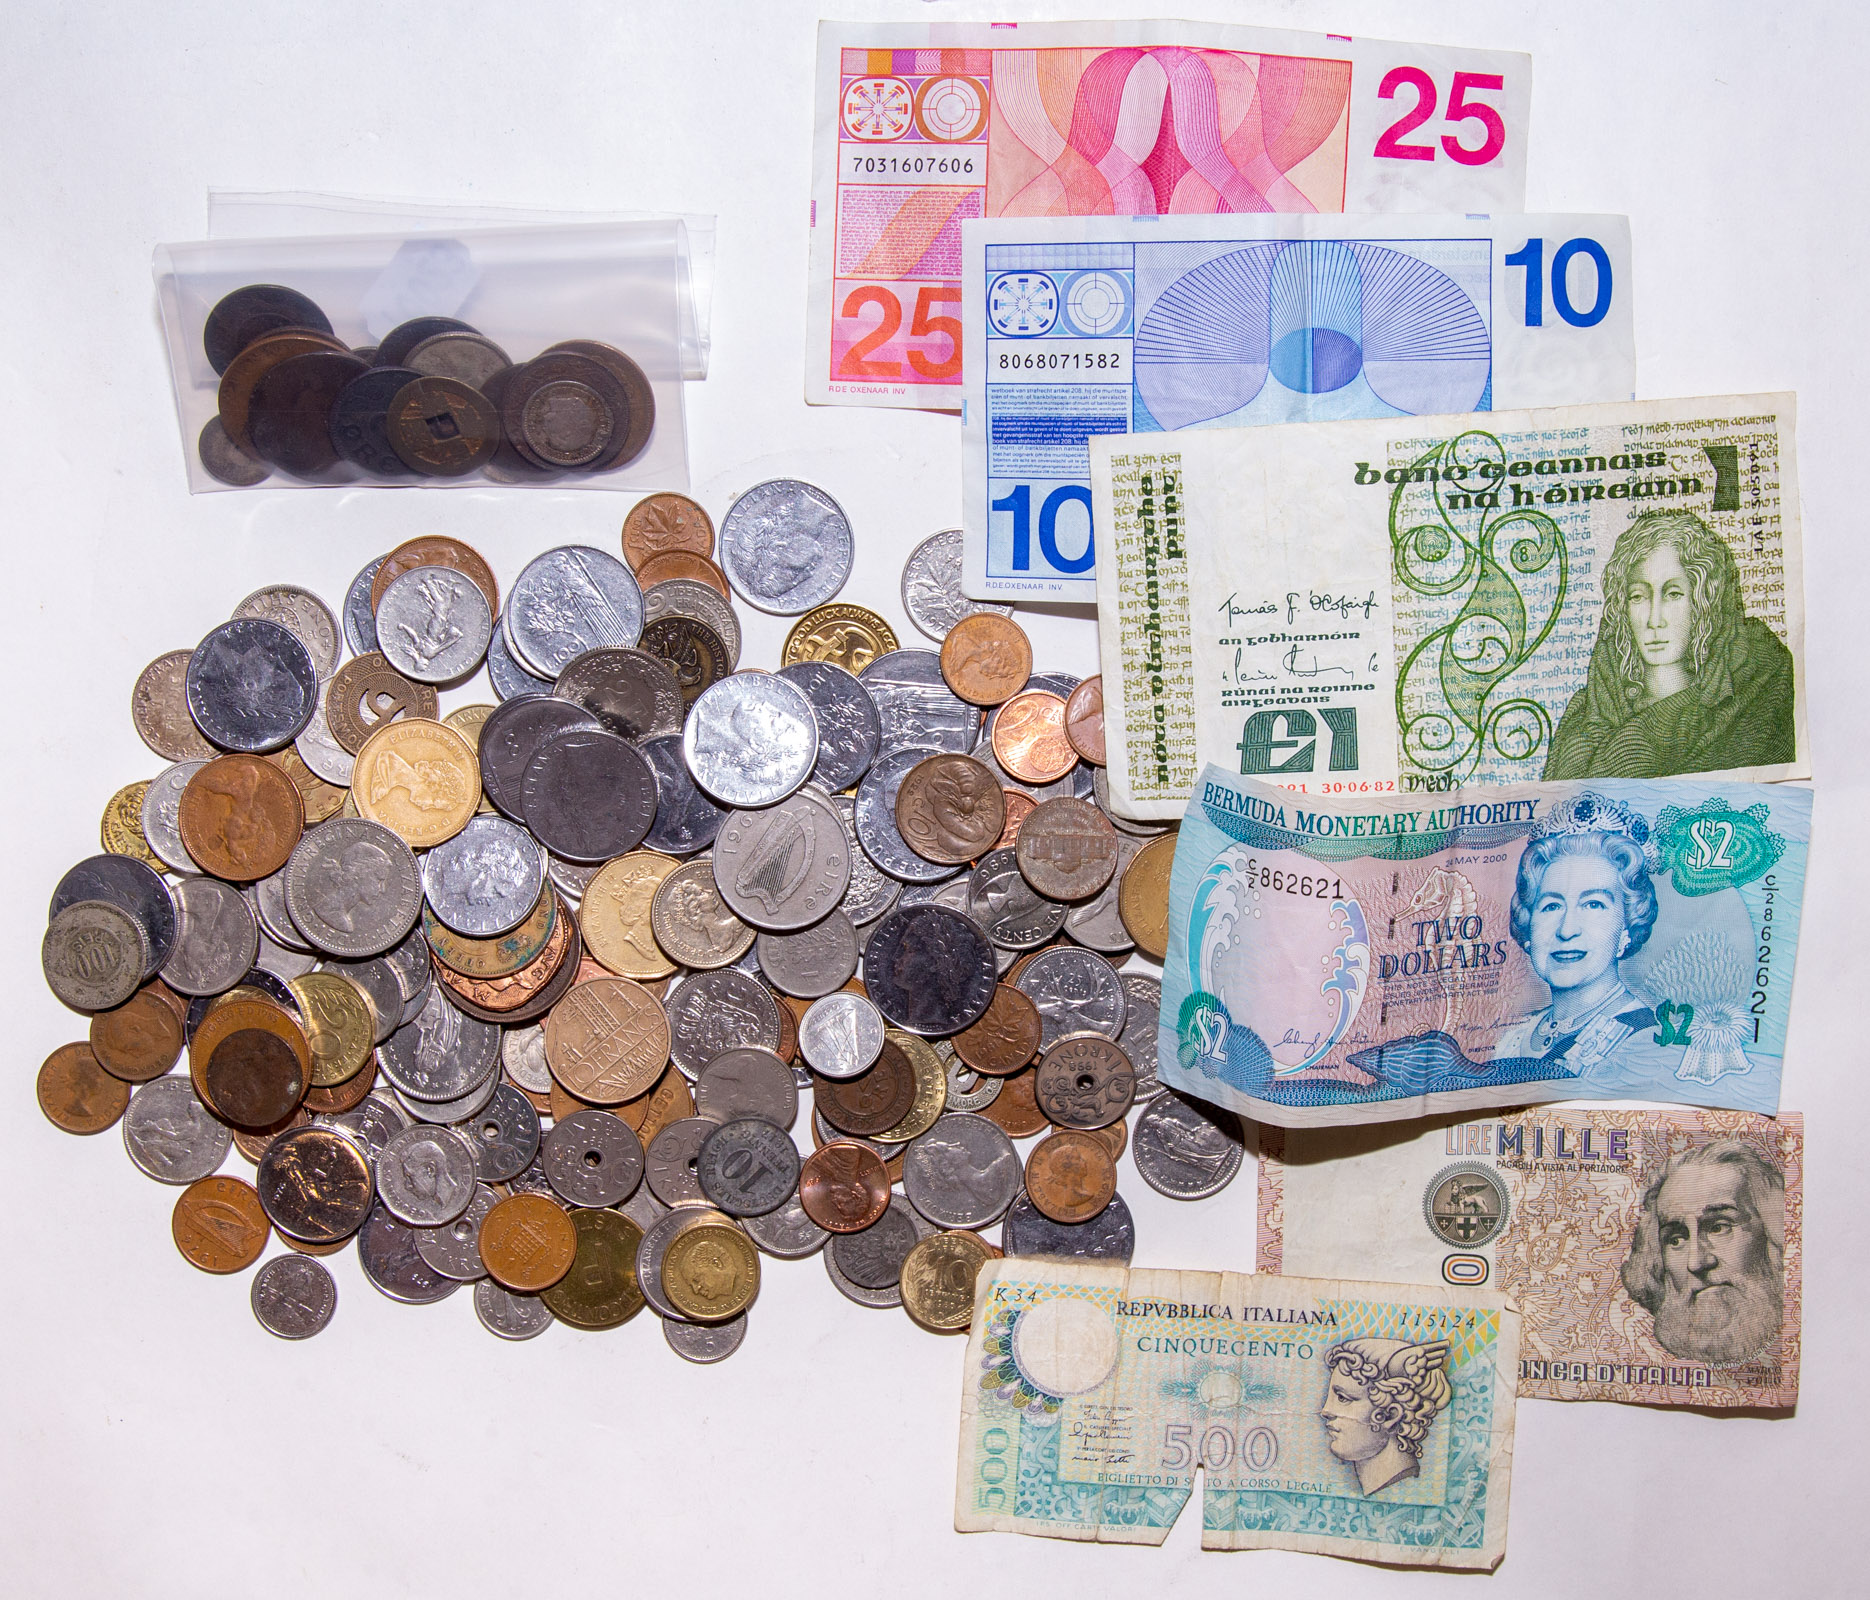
(682, 564)
(1067, 849)
(876, 1099)
(849, 636)
(938, 1279)
(1007, 1036)
(139, 1040)
(420, 779)
(367, 692)
(607, 1041)
(527, 1243)
(78, 1095)
(1143, 897)
(666, 523)
(1019, 806)
(435, 550)
(986, 658)
(120, 829)
(1015, 1108)
(1070, 1177)
(1029, 738)
(239, 818)
(950, 808)
(219, 1225)
(844, 1186)
(251, 1063)
(614, 916)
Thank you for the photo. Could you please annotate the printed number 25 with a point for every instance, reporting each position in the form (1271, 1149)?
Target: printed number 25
(856, 362)
(1391, 143)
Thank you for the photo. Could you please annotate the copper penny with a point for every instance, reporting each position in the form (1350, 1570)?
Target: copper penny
(514, 989)
(1114, 1136)
(1014, 1108)
(527, 1243)
(608, 1040)
(252, 1142)
(306, 1248)
(843, 1186)
(141, 1039)
(239, 818)
(788, 1050)
(1007, 1036)
(986, 658)
(367, 692)
(663, 524)
(1143, 897)
(1070, 1177)
(1019, 806)
(875, 1100)
(1084, 720)
(1029, 738)
(1085, 1081)
(78, 1095)
(250, 1062)
(681, 564)
(218, 1225)
(336, 1097)
(436, 550)
(542, 1002)
(243, 374)
(1067, 849)
(950, 808)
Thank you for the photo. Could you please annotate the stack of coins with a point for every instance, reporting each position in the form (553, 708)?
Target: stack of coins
(436, 399)
(545, 995)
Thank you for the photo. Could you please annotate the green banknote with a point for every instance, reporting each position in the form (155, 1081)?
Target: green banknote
(1344, 1418)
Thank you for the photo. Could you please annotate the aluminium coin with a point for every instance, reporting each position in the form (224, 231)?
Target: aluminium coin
(751, 739)
(293, 1297)
(747, 1167)
(1109, 1236)
(569, 600)
(841, 1035)
(508, 1315)
(487, 879)
(786, 546)
(931, 586)
(251, 685)
(171, 1135)
(434, 624)
(962, 1173)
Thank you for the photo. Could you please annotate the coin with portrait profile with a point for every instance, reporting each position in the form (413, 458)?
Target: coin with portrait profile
(353, 888)
(418, 778)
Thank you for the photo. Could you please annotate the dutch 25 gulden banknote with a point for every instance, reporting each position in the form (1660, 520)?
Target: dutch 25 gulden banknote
(1340, 1417)
(1379, 958)
(1655, 1255)
(920, 126)
(1082, 328)
(1424, 603)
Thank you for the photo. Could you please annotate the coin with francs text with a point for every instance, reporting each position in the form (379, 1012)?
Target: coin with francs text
(219, 1225)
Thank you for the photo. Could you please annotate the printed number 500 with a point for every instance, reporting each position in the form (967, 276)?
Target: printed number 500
(857, 361)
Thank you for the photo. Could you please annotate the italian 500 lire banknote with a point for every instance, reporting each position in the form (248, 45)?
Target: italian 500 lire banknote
(1379, 958)
(1655, 1255)
(1420, 604)
(1342, 1417)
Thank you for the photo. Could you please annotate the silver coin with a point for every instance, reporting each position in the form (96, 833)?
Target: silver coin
(1186, 1148)
(962, 1173)
(95, 955)
(302, 614)
(783, 868)
(571, 878)
(522, 1053)
(293, 1296)
(372, 1123)
(442, 1055)
(567, 601)
(1108, 1236)
(786, 1233)
(747, 1167)
(508, 1315)
(692, 923)
(471, 358)
(434, 624)
(425, 1175)
(705, 1342)
(850, 730)
(353, 888)
(386, 1250)
(251, 685)
(377, 978)
(504, 1134)
(360, 617)
(534, 1181)
(670, 1160)
(878, 1257)
(160, 808)
(915, 704)
(319, 749)
(1097, 922)
(504, 671)
(413, 966)
(453, 1248)
(171, 1135)
(282, 963)
(747, 1082)
(267, 901)
(872, 891)
(1100, 791)
(1011, 912)
(447, 1113)
(930, 970)
(841, 1035)
(655, 1246)
(688, 597)
(968, 1090)
(1076, 991)
(592, 1158)
(931, 586)
(813, 962)
(486, 880)
(216, 938)
(750, 739)
(1142, 1013)
(712, 1012)
(786, 546)
(643, 1207)
(875, 819)
(686, 819)
(134, 889)
(630, 692)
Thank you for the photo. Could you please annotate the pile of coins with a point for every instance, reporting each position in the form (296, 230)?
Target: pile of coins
(531, 995)
(436, 399)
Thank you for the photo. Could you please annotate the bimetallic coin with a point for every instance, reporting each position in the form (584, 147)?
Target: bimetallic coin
(600, 1291)
(567, 601)
(527, 1242)
(588, 795)
(434, 624)
(78, 1095)
(930, 970)
(747, 1082)
(352, 888)
(1186, 1148)
(251, 685)
(950, 809)
(931, 586)
(94, 955)
(747, 1167)
(218, 1225)
(915, 704)
(1084, 1082)
(785, 867)
(962, 1173)
(487, 879)
(812, 962)
(938, 1279)
(695, 656)
(704, 598)
(786, 546)
(591, 1158)
(848, 636)
(453, 1248)
(315, 1184)
(705, 1343)
(1075, 990)
(841, 1035)
(293, 1297)
(425, 1175)
(159, 710)
(751, 739)
(216, 938)
(1109, 1236)
(171, 1135)
(508, 1315)
(710, 1269)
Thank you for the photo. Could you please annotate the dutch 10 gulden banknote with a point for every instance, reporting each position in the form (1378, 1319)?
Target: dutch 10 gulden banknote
(1340, 1417)
(1385, 957)
(1425, 603)
(1654, 1255)
(922, 125)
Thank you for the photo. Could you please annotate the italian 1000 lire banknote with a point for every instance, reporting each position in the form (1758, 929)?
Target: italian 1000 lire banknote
(1655, 1255)
(1421, 604)
(1341, 1417)
(1379, 958)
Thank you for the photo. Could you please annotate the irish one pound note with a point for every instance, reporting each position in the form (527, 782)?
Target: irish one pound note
(1417, 605)
(1654, 1254)
(1382, 958)
(1335, 1416)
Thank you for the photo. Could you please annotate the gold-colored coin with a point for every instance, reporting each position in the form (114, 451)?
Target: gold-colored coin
(322, 800)
(420, 779)
(931, 1087)
(614, 914)
(600, 1290)
(711, 1271)
(938, 1279)
(850, 636)
(340, 1025)
(1143, 897)
(468, 722)
(121, 831)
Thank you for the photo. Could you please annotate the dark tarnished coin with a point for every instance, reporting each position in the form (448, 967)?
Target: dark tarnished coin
(315, 1184)
(874, 1101)
(460, 353)
(360, 430)
(592, 1158)
(1067, 849)
(686, 819)
(588, 795)
(632, 693)
(234, 399)
(748, 1168)
(237, 319)
(566, 423)
(553, 375)
(78, 1095)
(293, 1297)
(442, 428)
(225, 461)
(251, 685)
(691, 650)
(289, 416)
(511, 737)
(133, 889)
(394, 348)
(140, 1039)
(250, 1076)
(930, 970)
(628, 443)
(873, 1258)
(1109, 1236)
(1186, 1148)
(600, 1290)
(1085, 1082)
(367, 692)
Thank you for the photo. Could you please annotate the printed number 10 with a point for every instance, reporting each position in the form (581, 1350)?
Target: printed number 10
(1532, 258)
(1019, 503)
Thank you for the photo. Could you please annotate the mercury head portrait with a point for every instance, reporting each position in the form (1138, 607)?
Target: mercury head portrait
(1381, 1398)
(1707, 1259)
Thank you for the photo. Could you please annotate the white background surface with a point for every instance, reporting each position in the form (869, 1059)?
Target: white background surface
(155, 1440)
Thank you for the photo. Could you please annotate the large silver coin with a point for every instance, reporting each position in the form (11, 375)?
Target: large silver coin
(841, 1035)
(507, 675)
(786, 546)
(216, 938)
(1185, 1148)
(850, 729)
(302, 614)
(915, 704)
(486, 880)
(293, 1296)
(688, 597)
(1076, 991)
(931, 586)
(568, 601)
(873, 891)
(171, 1135)
(1108, 1236)
(425, 1175)
(251, 685)
(751, 739)
(442, 1055)
(353, 888)
(713, 1012)
(785, 867)
(386, 1250)
(450, 1112)
(962, 1173)
(434, 624)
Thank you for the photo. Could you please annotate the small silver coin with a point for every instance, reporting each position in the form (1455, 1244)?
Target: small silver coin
(931, 586)
(371, 1123)
(1013, 913)
(875, 818)
(360, 618)
(453, 1248)
(686, 819)
(688, 597)
(704, 1343)
(160, 808)
(786, 1232)
(504, 1133)
(94, 955)
(750, 739)
(785, 867)
(293, 1296)
(592, 1158)
(1142, 1012)
(171, 1135)
(841, 1035)
(425, 1175)
(353, 888)
(747, 1082)
(1100, 791)
(812, 962)
(567, 601)
(282, 963)
(643, 1208)
(1076, 991)
(1186, 1148)
(915, 704)
(216, 938)
(386, 1250)
(711, 1012)
(850, 730)
(486, 880)
(447, 1113)
(631, 692)
(251, 685)
(413, 966)
(434, 624)
(508, 1315)
(225, 461)
(571, 878)
(522, 1053)
(443, 1055)
(747, 1167)
(962, 1173)
(302, 614)
(786, 546)
(670, 1160)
